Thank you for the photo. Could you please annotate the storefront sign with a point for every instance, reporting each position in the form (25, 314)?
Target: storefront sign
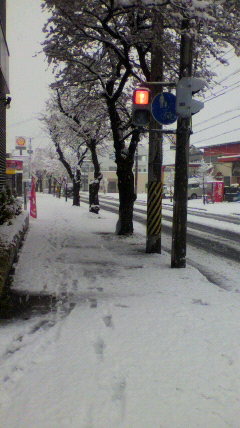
(10, 171)
(21, 143)
(14, 164)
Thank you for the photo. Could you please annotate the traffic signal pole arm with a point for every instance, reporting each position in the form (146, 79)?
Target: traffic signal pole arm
(160, 84)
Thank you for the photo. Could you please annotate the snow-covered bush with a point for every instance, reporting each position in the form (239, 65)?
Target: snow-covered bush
(10, 206)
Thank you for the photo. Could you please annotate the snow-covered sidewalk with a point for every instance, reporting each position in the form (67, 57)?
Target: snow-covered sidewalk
(131, 343)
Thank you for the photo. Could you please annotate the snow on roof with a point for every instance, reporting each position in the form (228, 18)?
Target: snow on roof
(230, 158)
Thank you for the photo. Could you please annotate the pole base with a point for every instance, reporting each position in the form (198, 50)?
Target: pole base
(153, 244)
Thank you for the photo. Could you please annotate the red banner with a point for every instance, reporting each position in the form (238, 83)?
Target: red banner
(33, 205)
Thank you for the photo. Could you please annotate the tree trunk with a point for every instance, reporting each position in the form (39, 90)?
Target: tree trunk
(76, 196)
(54, 187)
(127, 197)
(76, 189)
(50, 185)
(125, 162)
(94, 186)
(93, 197)
(41, 184)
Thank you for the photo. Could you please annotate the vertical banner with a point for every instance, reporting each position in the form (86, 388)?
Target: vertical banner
(218, 191)
(33, 205)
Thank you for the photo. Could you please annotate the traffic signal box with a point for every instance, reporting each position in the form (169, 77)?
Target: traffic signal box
(186, 88)
(141, 108)
(186, 106)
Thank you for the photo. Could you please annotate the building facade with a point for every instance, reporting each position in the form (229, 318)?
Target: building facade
(4, 89)
(109, 183)
(226, 161)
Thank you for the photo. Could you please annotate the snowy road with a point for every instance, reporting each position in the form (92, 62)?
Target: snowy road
(129, 342)
(212, 233)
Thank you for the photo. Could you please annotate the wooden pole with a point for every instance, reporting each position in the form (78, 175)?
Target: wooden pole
(154, 202)
(179, 231)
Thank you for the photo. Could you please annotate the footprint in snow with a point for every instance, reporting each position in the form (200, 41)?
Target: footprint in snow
(107, 319)
(199, 302)
(99, 347)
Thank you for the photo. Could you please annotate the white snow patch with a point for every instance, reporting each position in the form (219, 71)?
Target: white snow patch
(144, 346)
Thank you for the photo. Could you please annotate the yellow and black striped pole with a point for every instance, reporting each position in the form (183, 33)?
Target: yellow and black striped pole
(154, 209)
(154, 204)
(154, 217)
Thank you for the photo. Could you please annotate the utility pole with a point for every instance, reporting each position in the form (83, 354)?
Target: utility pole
(30, 152)
(179, 231)
(154, 201)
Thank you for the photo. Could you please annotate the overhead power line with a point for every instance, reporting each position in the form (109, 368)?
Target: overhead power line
(216, 124)
(215, 136)
(221, 57)
(224, 79)
(230, 75)
(224, 88)
(219, 65)
(223, 93)
(216, 116)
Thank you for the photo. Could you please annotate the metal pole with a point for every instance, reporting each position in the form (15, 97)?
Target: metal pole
(179, 231)
(154, 202)
(30, 158)
(66, 190)
(25, 195)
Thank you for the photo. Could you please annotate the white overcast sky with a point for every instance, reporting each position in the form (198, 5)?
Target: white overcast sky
(29, 75)
(29, 79)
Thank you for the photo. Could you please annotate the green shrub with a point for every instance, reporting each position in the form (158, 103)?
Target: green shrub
(10, 206)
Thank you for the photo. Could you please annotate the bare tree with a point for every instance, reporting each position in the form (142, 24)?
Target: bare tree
(106, 46)
(70, 148)
(89, 122)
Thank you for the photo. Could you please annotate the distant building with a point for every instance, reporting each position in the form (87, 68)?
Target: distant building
(195, 158)
(109, 168)
(4, 89)
(226, 161)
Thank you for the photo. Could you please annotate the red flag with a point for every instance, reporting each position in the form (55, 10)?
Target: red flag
(33, 205)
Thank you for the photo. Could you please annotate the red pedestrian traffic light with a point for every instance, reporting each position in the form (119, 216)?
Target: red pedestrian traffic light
(141, 96)
(141, 106)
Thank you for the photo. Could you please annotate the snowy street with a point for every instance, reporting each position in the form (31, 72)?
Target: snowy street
(128, 342)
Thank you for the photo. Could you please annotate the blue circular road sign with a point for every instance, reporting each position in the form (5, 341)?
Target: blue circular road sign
(164, 108)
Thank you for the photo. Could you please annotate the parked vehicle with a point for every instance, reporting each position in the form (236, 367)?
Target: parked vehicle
(232, 193)
(210, 190)
(194, 191)
(167, 192)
